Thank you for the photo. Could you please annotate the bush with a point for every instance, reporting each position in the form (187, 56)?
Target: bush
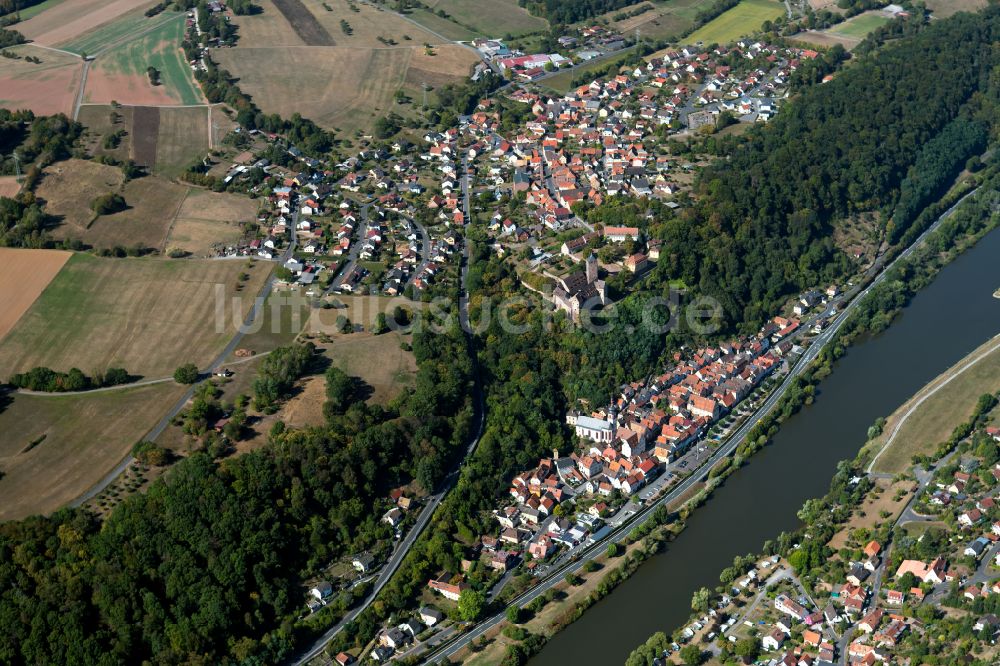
(108, 203)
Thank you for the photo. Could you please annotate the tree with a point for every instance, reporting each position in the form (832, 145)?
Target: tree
(699, 600)
(339, 390)
(186, 374)
(470, 605)
(514, 615)
(108, 203)
(691, 655)
(748, 648)
(380, 326)
(572, 579)
(613, 549)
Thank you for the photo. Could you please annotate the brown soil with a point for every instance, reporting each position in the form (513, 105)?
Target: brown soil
(104, 87)
(9, 186)
(24, 274)
(46, 88)
(145, 130)
(304, 23)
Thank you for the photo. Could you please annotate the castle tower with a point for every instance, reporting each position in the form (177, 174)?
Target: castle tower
(591, 268)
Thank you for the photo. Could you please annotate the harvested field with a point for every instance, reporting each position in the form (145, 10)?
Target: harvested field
(368, 24)
(46, 88)
(182, 139)
(68, 187)
(824, 40)
(53, 449)
(439, 69)
(120, 73)
(145, 133)
(67, 21)
(268, 28)
(743, 19)
(146, 315)
(24, 274)
(493, 19)
(945, 8)
(665, 21)
(303, 23)
(346, 86)
(9, 186)
(153, 203)
(208, 218)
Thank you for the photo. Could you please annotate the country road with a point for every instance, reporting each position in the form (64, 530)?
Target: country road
(403, 549)
(726, 449)
(255, 310)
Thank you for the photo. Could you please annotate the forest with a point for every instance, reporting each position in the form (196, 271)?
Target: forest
(762, 226)
(571, 11)
(206, 566)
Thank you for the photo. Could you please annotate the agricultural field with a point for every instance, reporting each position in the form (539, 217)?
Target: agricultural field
(54, 448)
(945, 8)
(207, 218)
(859, 26)
(166, 139)
(344, 86)
(35, 10)
(63, 24)
(46, 88)
(929, 417)
(741, 20)
(119, 74)
(666, 20)
(24, 274)
(496, 18)
(146, 315)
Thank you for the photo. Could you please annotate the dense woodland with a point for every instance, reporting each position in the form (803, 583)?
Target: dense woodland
(571, 11)
(205, 567)
(762, 227)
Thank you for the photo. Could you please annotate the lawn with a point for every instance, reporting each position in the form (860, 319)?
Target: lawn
(743, 19)
(209, 218)
(53, 449)
(945, 8)
(859, 26)
(937, 414)
(146, 315)
(119, 74)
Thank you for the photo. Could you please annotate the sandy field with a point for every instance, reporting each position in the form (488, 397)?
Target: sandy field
(48, 88)
(24, 274)
(68, 20)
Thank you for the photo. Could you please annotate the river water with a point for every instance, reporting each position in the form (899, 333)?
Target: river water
(943, 323)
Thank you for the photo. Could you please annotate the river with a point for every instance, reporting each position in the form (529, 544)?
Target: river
(942, 324)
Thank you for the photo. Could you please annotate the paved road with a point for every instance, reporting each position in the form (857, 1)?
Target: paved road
(403, 549)
(256, 309)
(723, 451)
(425, 251)
(352, 254)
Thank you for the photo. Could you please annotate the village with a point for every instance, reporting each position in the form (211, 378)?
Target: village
(933, 554)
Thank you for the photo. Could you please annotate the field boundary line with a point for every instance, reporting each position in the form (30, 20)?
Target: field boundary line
(909, 412)
(173, 219)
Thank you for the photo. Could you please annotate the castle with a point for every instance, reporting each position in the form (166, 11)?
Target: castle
(575, 290)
